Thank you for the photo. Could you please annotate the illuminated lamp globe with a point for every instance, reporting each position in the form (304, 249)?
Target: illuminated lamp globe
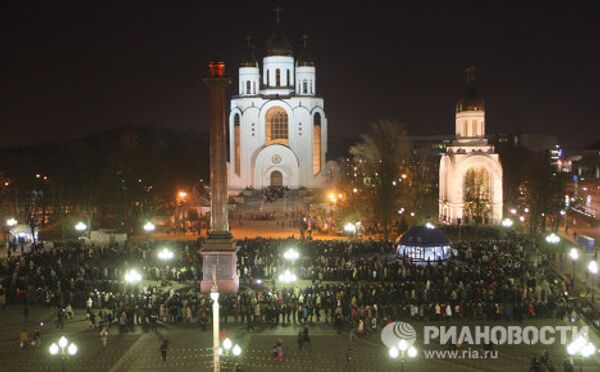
(412, 352)
(53, 349)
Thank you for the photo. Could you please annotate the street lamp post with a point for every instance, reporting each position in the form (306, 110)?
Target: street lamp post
(214, 296)
(149, 227)
(553, 238)
(581, 347)
(403, 351)
(291, 255)
(574, 256)
(166, 254)
(229, 348)
(64, 349)
(593, 269)
(132, 276)
(81, 227)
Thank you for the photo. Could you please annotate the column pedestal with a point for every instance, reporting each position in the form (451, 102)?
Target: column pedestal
(219, 252)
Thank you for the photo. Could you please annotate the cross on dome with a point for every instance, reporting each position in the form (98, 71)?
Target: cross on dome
(277, 11)
(304, 39)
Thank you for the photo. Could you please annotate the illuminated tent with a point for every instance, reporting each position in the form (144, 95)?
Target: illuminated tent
(23, 233)
(422, 244)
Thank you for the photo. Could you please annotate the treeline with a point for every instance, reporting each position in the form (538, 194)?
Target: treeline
(114, 179)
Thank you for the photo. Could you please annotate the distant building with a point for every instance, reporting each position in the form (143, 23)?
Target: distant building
(434, 143)
(587, 165)
(470, 187)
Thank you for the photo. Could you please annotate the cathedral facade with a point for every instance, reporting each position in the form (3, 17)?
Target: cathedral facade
(470, 171)
(277, 123)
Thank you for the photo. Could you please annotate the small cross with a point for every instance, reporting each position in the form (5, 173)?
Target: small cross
(304, 38)
(277, 11)
(470, 73)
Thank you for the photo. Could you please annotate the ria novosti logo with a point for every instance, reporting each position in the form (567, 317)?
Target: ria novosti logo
(482, 335)
(396, 331)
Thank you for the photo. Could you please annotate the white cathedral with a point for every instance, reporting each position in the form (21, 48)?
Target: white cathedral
(277, 123)
(470, 171)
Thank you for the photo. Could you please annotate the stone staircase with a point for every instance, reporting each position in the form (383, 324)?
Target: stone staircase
(253, 202)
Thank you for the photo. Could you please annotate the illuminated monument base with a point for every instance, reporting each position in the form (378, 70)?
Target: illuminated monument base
(219, 253)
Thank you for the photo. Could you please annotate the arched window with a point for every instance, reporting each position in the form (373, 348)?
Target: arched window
(304, 86)
(288, 81)
(236, 143)
(268, 77)
(316, 143)
(277, 77)
(248, 87)
(311, 87)
(254, 87)
(276, 126)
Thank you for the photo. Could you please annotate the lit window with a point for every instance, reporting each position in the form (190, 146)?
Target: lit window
(317, 143)
(236, 143)
(277, 126)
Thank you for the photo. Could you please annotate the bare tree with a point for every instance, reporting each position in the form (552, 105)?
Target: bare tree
(381, 155)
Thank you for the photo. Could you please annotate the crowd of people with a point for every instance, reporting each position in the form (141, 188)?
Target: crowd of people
(272, 193)
(354, 286)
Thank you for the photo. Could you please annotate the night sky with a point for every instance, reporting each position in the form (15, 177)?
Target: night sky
(69, 69)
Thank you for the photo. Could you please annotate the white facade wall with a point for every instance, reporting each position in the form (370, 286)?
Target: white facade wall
(249, 78)
(306, 80)
(259, 159)
(284, 64)
(470, 124)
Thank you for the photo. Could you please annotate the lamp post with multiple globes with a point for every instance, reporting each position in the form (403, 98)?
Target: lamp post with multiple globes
(229, 349)
(581, 347)
(64, 349)
(402, 351)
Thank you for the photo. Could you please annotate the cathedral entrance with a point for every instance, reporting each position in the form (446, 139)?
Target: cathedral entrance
(476, 196)
(276, 178)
